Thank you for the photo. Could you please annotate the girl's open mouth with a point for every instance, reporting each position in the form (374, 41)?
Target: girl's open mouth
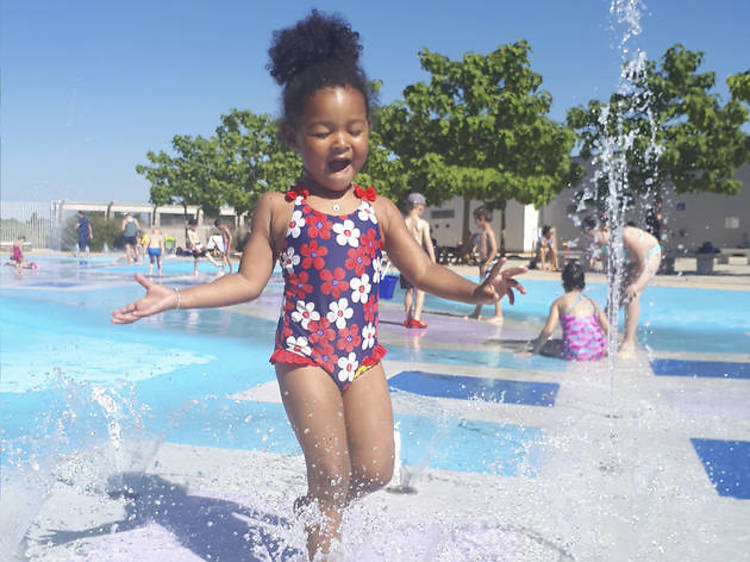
(339, 164)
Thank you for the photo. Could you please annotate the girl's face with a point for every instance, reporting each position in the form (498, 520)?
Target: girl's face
(332, 137)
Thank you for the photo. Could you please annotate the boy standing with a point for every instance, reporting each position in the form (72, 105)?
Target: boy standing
(487, 250)
(420, 230)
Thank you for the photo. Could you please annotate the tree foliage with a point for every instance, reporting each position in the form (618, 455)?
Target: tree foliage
(671, 106)
(244, 159)
(479, 130)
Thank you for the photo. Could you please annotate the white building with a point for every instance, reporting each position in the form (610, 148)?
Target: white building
(689, 220)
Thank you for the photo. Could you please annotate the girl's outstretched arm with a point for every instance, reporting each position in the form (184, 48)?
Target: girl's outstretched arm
(414, 264)
(549, 328)
(245, 285)
(601, 317)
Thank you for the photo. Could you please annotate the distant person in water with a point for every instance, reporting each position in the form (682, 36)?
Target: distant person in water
(226, 238)
(487, 254)
(584, 325)
(16, 257)
(420, 231)
(195, 246)
(155, 249)
(130, 228)
(641, 260)
(85, 235)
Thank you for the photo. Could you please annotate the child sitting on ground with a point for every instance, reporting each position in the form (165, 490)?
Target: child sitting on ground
(16, 257)
(584, 324)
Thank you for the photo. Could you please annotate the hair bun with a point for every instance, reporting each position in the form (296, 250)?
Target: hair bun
(314, 40)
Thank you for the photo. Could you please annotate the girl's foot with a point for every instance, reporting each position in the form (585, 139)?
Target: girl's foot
(496, 320)
(626, 351)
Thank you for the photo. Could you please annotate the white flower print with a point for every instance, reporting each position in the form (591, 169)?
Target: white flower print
(361, 288)
(298, 200)
(289, 260)
(346, 233)
(377, 266)
(296, 223)
(368, 336)
(348, 367)
(305, 313)
(339, 313)
(366, 212)
(298, 345)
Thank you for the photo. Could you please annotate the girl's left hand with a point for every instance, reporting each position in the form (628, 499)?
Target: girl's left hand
(499, 283)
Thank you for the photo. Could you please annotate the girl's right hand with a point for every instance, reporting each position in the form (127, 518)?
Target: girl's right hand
(158, 298)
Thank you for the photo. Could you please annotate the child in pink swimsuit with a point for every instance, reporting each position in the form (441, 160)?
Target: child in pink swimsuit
(328, 234)
(584, 325)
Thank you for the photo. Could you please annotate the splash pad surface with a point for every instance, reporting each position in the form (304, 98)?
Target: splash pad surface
(182, 411)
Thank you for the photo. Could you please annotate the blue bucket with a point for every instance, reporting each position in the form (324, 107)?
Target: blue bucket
(387, 286)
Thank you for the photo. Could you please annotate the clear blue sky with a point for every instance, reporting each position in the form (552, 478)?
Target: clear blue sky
(89, 86)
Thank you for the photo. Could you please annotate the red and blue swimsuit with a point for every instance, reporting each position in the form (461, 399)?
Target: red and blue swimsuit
(331, 266)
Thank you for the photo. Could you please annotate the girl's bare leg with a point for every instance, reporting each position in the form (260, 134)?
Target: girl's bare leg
(476, 314)
(498, 317)
(418, 304)
(408, 302)
(632, 312)
(315, 408)
(369, 423)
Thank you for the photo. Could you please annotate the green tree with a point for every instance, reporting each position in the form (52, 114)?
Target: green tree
(479, 130)
(234, 167)
(675, 126)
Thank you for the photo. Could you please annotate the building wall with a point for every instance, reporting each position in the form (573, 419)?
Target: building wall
(690, 219)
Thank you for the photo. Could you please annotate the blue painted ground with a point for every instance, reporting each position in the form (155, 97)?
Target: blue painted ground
(727, 464)
(468, 388)
(708, 369)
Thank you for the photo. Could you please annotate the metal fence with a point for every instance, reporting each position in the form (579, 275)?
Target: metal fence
(32, 219)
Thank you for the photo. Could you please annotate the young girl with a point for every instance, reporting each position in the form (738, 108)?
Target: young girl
(16, 257)
(642, 257)
(584, 325)
(328, 234)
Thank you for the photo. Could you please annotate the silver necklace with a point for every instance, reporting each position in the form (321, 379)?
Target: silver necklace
(336, 207)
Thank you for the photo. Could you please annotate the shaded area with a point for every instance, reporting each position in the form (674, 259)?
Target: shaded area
(213, 529)
(727, 464)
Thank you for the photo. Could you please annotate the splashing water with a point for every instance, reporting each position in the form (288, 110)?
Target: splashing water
(611, 164)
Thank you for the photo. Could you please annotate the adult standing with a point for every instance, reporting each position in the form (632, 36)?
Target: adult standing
(85, 234)
(130, 228)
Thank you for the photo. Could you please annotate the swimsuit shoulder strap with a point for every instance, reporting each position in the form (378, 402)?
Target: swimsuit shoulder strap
(571, 307)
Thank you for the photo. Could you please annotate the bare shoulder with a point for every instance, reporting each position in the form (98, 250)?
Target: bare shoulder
(385, 210)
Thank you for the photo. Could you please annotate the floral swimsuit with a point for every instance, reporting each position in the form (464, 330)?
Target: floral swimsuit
(583, 339)
(331, 266)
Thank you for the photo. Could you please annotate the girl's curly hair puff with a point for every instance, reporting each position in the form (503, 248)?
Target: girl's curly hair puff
(318, 52)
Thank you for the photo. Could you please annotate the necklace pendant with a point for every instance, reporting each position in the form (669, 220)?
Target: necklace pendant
(336, 207)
